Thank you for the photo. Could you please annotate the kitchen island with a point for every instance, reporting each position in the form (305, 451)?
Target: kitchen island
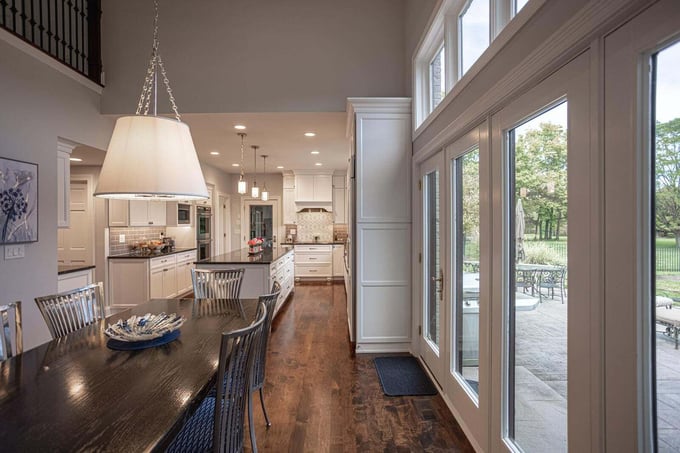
(261, 270)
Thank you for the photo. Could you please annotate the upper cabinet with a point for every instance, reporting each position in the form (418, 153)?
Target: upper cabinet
(136, 213)
(339, 199)
(147, 213)
(313, 188)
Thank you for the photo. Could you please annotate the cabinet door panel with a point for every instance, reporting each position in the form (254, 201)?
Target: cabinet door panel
(169, 281)
(339, 208)
(323, 188)
(304, 188)
(139, 213)
(156, 213)
(118, 213)
(156, 284)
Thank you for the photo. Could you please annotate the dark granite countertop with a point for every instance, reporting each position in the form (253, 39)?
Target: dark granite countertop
(267, 256)
(146, 256)
(67, 269)
(314, 243)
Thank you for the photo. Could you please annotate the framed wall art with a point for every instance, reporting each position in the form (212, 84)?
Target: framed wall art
(18, 201)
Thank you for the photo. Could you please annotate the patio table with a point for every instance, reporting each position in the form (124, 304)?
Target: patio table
(76, 394)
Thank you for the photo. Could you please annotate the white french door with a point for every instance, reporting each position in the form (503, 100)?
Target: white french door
(433, 338)
(642, 155)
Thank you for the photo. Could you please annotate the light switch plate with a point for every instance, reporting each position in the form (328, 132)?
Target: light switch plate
(13, 252)
(121, 239)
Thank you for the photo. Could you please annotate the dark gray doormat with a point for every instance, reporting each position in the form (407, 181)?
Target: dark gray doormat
(403, 376)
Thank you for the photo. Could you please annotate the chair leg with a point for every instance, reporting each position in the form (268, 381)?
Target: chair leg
(253, 443)
(264, 409)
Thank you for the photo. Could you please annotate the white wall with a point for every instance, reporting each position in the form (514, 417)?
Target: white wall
(37, 105)
(256, 56)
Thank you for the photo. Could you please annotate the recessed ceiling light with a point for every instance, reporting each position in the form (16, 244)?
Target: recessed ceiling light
(240, 127)
(318, 164)
(75, 159)
(235, 165)
(214, 153)
(280, 167)
(310, 134)
(315, 152)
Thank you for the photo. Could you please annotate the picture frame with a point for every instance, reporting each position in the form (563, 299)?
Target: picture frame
(18, 201)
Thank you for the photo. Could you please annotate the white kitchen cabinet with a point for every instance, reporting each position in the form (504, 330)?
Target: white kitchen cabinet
(135, 280)
(289, 208)
(147, 213)
(339, 205)
(74, 280)
(339, 181)
(338, 261)
(380, 132)
(313, 262)
(313, 188)
(119, 213)
(289, 181)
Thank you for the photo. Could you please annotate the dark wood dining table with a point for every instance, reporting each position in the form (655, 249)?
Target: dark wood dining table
(76, 394)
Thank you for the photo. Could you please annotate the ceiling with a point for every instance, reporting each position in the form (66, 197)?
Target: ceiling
(279, 135)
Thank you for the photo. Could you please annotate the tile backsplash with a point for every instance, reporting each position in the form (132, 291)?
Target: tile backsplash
(311, 224)
(132, 234)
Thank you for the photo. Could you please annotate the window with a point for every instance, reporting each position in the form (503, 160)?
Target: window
(437, 78)
(473, 33)
(519, 4)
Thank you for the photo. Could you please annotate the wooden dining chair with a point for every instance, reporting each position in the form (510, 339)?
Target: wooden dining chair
(11, 335)
(218, 423)
(70, 311)
(217, 283)
(257, 380)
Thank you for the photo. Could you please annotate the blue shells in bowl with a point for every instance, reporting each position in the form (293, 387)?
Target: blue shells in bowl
(144, 328)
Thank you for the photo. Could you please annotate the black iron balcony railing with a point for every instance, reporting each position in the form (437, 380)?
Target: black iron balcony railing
(68, 30)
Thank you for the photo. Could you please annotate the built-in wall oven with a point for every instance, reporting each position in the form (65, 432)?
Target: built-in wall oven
(203, 232)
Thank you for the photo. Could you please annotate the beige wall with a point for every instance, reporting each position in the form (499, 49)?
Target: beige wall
(256, 56)
(37, 105)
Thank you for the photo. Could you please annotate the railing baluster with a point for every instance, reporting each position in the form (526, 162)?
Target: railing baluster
(63, 31)
(41, 27)
(14, 10)
(69, 5)
(3, 5)
(23, 18)
(56, 29)
(82, 35)
(94, 40)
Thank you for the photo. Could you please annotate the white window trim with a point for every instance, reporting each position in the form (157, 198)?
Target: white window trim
(444, 24)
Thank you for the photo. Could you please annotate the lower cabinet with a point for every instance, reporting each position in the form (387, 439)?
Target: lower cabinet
(314, 262)
(338, 261)
(74, 280)
(135, 280)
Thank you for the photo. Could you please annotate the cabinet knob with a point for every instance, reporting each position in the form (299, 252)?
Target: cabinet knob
(150, 223)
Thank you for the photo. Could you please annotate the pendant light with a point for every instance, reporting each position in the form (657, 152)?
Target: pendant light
(152, 157)
(265, 192)
(255, 191)
(242, 184)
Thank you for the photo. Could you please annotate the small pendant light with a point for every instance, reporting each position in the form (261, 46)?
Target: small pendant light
(255, 191)
(242, 184)
(265, 192)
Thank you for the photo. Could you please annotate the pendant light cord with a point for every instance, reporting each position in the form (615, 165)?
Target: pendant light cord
(149, 88)
(242, 135)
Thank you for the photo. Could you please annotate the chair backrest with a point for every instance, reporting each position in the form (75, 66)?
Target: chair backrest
(217, 283)
(67, 312)
(11, 335)
(269, 300)
(235, 367)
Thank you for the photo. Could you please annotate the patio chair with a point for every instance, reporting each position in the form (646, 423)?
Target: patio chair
(551, 279)
(670, 319)
(217, 283)
(11, 341)
(67, 312)
(525, 279)
(218, 423)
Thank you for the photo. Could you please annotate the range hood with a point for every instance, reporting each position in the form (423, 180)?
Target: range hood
(313, 210)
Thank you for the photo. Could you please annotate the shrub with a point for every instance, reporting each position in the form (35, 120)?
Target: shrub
(540, 253)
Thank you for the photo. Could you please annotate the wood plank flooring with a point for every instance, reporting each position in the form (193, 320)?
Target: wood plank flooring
(322, 398)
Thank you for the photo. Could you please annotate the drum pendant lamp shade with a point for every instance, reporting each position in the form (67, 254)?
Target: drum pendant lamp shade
(151, 157)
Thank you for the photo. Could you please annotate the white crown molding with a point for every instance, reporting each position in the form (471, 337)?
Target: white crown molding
(48, 60)
(65, 145)
(375, 105)
(568, 41)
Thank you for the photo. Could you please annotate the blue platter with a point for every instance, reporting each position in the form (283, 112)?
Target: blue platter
(118, 345)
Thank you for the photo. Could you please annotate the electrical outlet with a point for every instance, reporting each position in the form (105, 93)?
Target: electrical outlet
(13, 252)
(121, 239)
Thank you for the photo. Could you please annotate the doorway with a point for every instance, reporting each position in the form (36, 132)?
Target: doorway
(75, 244)
(260, 220)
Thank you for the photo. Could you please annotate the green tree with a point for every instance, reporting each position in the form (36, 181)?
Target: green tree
(667, 160)
(541, 179)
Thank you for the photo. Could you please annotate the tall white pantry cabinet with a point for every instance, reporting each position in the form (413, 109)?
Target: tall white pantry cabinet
(381, 229)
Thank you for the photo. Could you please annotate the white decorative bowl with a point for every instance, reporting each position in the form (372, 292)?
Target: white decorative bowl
(144, 328)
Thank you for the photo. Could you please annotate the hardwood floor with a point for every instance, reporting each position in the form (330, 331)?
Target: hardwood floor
(321, 398)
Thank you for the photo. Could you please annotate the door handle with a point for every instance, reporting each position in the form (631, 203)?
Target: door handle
(439, 281)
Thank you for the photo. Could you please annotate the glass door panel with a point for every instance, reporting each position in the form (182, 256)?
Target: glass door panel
(537, 282)
(665, 243)
(466, 253)
(433, 276)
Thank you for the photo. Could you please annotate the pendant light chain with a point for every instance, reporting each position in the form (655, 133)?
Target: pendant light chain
(150, 80)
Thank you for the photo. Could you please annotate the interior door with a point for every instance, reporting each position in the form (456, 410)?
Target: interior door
(75, 244)
(433, 311)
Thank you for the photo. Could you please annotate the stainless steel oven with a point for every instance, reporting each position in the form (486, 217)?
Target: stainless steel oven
(203, 250)
(203, 223)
